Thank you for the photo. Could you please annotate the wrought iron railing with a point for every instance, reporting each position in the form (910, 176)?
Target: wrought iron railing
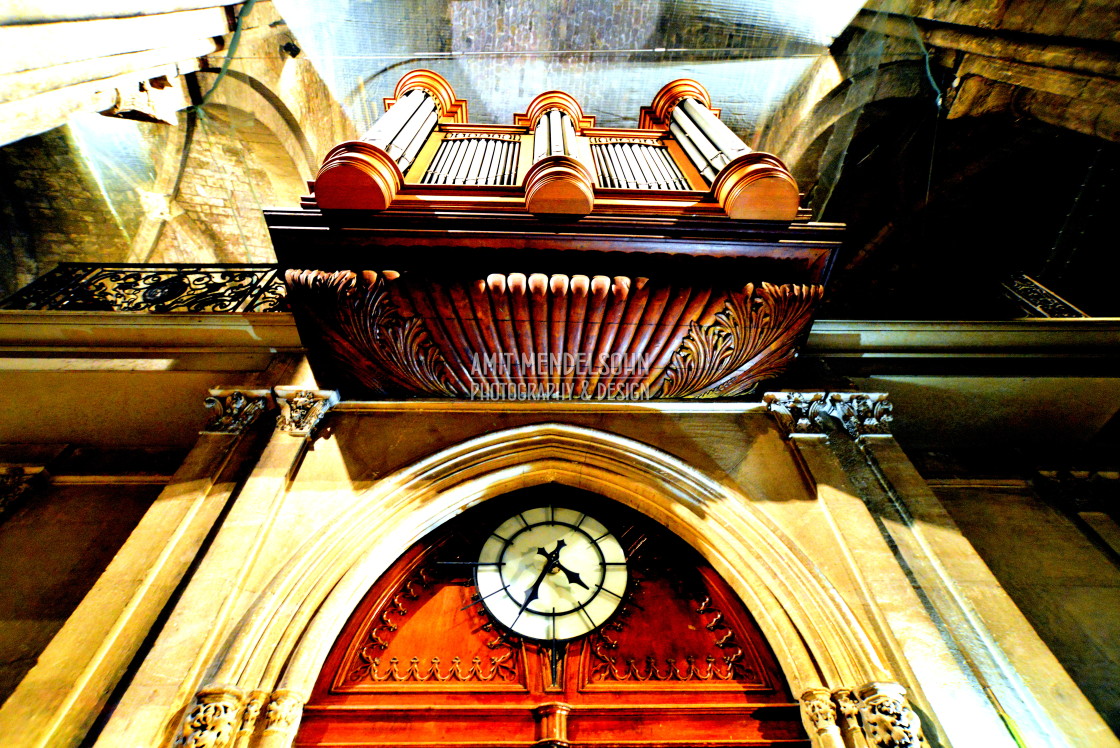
(93, 287)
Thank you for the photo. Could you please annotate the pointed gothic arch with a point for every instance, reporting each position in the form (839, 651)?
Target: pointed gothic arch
(276, 653)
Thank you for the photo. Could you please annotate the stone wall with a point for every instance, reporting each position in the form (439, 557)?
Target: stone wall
(1067, 586)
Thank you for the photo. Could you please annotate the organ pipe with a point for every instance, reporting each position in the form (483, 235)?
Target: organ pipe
(709, 143)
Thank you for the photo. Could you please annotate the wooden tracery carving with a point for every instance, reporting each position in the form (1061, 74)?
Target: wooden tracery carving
(420, 663)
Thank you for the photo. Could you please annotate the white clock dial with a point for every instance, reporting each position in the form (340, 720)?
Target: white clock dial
(551, 573)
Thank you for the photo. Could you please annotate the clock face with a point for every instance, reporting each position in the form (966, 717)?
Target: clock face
(551, 573)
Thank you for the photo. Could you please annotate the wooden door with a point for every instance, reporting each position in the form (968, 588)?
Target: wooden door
(421, 663)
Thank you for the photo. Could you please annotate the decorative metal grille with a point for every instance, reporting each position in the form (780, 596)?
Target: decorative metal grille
(1036, 300)
(475, 158)
(631, 163)
(75, 286)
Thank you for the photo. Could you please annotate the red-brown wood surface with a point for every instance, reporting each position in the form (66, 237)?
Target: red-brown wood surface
(421, 664)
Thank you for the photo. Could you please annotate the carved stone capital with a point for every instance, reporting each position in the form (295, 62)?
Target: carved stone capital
(234, 410)
(797, 412)
(862, 413)
(818, 711)
(847, 717)
(250, 715)
(213, 720)
(284, 711)
(888, 721)
(301, 409)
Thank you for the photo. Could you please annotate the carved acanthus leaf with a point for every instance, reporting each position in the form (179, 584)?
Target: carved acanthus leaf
(797, 412)
(366, 333)
(753, 338)
(862, 413)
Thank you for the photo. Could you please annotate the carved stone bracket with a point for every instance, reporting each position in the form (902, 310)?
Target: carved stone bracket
(234, 410)
(213, 718)
(888, 721)
(861, 413)
(874, 716)
(301, 409)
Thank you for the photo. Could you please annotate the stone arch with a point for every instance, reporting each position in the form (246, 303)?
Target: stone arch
(896, 80)
(280, 645)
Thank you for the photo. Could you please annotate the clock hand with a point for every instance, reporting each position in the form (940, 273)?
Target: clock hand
(534, 591)
(573, 577)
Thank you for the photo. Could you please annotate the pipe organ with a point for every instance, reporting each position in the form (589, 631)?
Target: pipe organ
(549, 258)
(475, 158)
(636, 164)
(681, 160)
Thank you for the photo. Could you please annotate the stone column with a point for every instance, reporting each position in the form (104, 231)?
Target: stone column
(189, 650)
(63, 694)
(818, 714)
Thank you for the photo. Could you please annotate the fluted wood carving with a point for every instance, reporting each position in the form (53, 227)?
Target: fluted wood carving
(552, 337)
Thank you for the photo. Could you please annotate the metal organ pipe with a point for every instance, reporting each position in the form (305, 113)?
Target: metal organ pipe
(694, 155)
(709, 143)
(402, 131)
(541, 140)
(556, 133)
(712, 126)
(414, 127)
(389, 124)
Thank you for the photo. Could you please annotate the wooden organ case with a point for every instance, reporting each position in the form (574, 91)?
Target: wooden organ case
(439, 258)
(422, 663)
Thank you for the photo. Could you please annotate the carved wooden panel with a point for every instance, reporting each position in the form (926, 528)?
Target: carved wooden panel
(682, 663)
(559, 337)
